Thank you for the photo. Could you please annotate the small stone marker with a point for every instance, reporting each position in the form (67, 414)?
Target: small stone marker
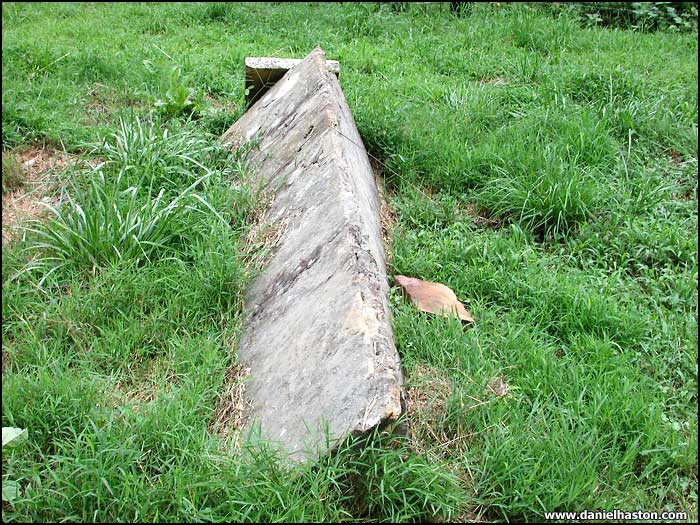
(317, 336)
(261, 73)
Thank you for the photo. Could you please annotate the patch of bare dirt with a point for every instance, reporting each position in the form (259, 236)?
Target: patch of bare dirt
(426, 394)
(479, 217)
(101, 101)
(22, 204)
(498, 387)
(221, 105)
(129, 395)
(387, 215)
(5, 360)
(138, 391)
(38, 160)
(97, 105)
(233, 406)
(263, 236)
(676, 157)
(40, 166)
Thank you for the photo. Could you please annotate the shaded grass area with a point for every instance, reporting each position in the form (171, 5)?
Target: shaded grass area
(545, 171)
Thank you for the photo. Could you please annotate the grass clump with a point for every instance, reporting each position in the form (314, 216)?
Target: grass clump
(164, 157)
(13, 175)
(136, 212)
(111, 226)
(544, 196)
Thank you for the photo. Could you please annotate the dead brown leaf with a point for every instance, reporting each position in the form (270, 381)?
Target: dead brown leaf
(432, 297)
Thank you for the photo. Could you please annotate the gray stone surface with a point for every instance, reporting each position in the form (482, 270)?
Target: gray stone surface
(317, 335)
(261, 73)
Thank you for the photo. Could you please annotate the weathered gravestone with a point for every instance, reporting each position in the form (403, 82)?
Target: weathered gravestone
(261, 73)
(317, 336)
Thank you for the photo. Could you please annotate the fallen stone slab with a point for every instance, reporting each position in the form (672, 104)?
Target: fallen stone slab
(261, 73)
(317, 336)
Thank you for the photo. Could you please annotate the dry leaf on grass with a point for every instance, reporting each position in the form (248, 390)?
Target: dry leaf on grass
(434, 298)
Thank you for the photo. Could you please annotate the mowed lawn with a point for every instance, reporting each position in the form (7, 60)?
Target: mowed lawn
(543, 168)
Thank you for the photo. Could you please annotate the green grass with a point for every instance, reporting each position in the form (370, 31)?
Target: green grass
(544, 170)
(13, 175)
